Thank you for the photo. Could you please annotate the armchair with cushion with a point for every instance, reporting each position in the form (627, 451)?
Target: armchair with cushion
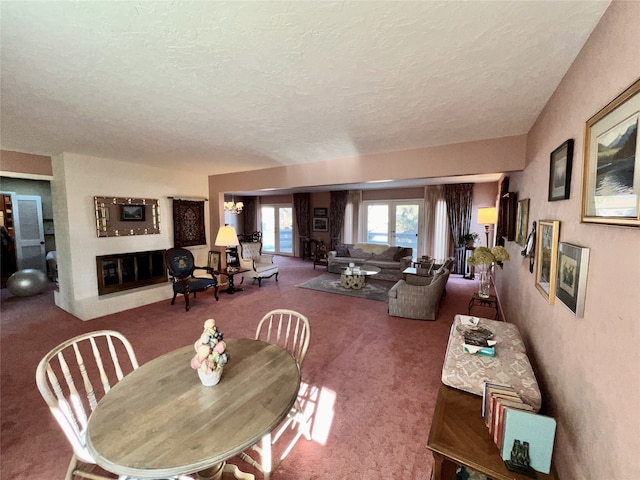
(418, 297)
(181, 266)
(259, 266)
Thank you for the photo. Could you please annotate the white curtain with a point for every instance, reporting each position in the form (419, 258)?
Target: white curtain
(351, 225)
(437, 235)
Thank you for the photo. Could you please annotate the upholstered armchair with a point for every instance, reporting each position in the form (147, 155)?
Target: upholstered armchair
(181, 266)
(259, 266)
(418, 297)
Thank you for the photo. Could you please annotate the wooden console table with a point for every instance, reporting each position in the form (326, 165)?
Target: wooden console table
(459, 437)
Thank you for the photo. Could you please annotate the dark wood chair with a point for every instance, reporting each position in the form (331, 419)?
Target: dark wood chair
(181, 265)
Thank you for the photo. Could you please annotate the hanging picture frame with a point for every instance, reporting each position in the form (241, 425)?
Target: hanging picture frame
(320, 224)
(522, 221)
(560, 172)
(573, 264)
(611, 173)
(547, 258)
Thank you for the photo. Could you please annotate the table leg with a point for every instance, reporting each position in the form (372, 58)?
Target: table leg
(224, 471)
(231, 289)
(443, 468)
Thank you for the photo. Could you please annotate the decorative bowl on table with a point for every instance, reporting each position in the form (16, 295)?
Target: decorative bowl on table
(211, 354)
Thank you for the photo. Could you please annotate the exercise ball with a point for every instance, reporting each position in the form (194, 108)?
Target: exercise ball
(26, 282)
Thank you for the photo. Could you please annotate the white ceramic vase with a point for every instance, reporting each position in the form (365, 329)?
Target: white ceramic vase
(210, 379)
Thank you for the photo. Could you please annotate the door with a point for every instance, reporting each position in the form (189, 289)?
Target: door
(397, 223)
(277, 229)
(29, 230)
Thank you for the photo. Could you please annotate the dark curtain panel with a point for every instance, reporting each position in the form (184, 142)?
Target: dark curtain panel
(250, 214)
(188, 223)
(302, 206)
(337, 207)
(459, 198)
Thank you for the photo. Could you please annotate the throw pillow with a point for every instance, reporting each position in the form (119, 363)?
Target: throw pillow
(402, 252)
(342, 251)
(358, 253)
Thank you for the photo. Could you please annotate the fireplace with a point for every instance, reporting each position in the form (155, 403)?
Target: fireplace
(125, 271)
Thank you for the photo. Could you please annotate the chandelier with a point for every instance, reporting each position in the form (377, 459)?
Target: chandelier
(233, 207)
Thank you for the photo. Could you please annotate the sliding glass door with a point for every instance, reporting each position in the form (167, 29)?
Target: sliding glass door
(277, 229)
(397, 223)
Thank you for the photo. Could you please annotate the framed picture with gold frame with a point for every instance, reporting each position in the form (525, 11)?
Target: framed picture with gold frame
(547, 258)
(611, 173)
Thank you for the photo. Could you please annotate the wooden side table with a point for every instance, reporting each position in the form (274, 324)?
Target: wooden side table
(229, 273)
(491, 301)
(459, 436)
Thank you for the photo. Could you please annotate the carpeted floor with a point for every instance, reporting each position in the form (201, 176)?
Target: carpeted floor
(330, 283)
(371, 380)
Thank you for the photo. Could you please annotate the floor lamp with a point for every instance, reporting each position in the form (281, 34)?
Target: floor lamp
(487, 216)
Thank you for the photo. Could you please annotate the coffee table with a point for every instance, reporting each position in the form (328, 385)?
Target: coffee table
(354, 277)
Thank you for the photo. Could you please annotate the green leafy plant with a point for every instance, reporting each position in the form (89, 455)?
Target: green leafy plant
(468, 238)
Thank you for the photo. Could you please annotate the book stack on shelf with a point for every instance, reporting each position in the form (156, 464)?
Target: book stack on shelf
(524, 438)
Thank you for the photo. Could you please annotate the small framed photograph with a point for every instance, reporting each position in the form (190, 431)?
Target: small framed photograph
(214, 260)
(319, 212)
(522, 221)
(560, 171)
(547, 258)
(611, 173)
(133, 213)
(320, 224)
(573, 263)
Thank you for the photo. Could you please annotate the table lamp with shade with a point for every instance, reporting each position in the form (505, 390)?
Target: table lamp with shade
(487, 216)
(228, 238)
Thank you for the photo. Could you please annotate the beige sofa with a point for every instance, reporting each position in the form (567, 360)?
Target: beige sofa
(390, 260)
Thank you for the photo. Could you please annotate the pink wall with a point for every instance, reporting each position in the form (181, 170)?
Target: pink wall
(25, 163)
(587, 367)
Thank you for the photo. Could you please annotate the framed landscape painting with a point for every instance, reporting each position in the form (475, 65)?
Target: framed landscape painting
(320, 224)
(611, 174)
(547, 258)
(573, 263)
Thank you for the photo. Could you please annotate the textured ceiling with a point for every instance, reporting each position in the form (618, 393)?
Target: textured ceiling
(243, 85)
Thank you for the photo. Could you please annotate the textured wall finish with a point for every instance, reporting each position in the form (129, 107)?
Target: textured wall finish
(240, 85)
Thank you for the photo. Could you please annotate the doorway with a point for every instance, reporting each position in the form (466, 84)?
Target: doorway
(277, 229)
(396, 223)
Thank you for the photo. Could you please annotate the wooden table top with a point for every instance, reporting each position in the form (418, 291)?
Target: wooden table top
(160, 421)
(459, 433)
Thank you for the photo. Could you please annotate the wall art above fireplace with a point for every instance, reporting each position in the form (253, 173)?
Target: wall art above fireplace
(119, 216)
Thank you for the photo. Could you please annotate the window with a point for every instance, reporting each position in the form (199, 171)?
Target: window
(397, 223)
(277, 229)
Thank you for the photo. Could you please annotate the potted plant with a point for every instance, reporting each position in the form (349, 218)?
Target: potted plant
(468, 239)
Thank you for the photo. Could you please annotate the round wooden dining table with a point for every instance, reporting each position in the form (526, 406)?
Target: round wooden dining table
(160, 421)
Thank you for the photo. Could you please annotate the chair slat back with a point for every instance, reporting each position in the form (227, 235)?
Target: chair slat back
(82, 366)
(287, 329)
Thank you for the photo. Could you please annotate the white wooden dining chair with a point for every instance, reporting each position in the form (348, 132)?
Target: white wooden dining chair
(72, 379)
(289, 330)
